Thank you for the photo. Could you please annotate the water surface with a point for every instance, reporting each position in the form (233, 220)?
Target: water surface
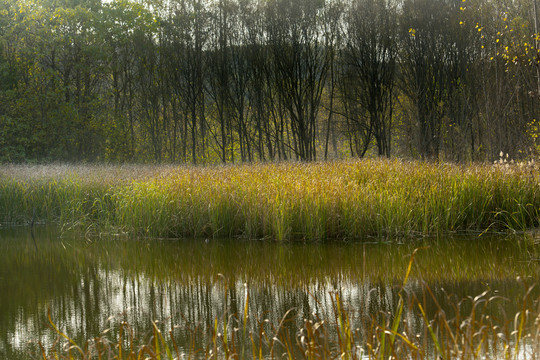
(87, 285)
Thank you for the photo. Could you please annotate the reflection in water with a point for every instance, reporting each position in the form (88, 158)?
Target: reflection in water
(193, 283)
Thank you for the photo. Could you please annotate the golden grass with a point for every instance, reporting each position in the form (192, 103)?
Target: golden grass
(310, 201)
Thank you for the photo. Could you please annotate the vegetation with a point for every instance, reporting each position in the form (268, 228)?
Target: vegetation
(417, 327)
(241, 80)
(317, 201)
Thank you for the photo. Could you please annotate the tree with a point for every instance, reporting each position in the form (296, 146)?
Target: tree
(190, 21)
(369, 66)
(424, 57)
(300, 62)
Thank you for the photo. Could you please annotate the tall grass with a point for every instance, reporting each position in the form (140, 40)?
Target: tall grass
(416, 328)
(315, 201)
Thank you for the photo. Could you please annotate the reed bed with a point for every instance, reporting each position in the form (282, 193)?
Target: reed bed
(351, 199)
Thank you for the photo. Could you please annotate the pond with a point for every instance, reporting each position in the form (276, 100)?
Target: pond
(202, 287)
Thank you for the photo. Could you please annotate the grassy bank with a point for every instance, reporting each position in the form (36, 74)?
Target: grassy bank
(316, 201)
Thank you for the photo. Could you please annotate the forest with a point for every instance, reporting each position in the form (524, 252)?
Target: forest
(229, 81)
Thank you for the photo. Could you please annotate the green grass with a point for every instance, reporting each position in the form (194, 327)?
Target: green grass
(283, 201)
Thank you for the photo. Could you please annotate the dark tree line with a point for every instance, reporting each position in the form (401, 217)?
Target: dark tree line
(247, 80)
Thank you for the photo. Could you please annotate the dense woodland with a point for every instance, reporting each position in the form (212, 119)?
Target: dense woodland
(207, 81)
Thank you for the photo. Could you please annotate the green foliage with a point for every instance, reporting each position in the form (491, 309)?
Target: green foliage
(180, 81)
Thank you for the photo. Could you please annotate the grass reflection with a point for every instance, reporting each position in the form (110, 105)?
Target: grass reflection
(424, 325)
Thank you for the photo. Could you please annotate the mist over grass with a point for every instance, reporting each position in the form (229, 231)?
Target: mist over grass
(343, 200)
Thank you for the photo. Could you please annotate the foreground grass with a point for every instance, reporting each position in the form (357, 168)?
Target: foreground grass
(317, 201)
(415, 328)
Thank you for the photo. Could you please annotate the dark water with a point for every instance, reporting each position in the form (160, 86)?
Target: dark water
(87, 285)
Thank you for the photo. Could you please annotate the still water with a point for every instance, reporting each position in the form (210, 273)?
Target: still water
(87, 285)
